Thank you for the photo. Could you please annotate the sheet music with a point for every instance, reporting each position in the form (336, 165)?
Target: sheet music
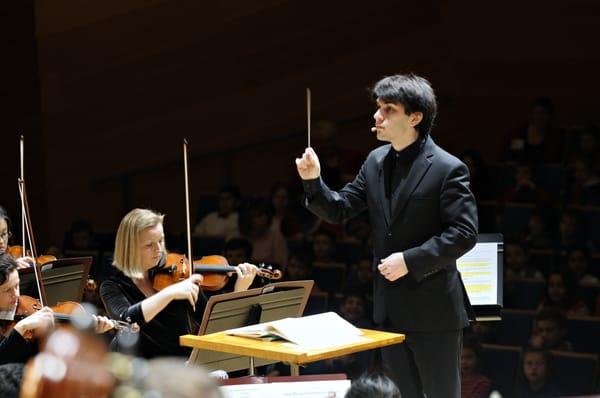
(479, 271)
(301, 389)
(309, 332)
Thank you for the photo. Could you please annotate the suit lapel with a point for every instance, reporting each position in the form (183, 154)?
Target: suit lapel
(418, 169)
(381, 187)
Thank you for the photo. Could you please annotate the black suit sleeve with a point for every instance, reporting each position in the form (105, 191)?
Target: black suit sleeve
(458, 212)
(14, 348)
(336, 207)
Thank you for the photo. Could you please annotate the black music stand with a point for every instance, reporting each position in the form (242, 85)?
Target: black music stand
(61, 280)
(232, 310)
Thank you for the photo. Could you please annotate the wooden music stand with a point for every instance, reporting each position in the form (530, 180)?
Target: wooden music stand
(232, 310)
(279, 350)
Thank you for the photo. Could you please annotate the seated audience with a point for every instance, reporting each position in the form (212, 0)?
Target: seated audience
(536, 141)
(473, 383)
(516, 264)
(536, 379)
(578, 262)
(550, 330)
(268, 245)
(376, 385)
(224, 221)
(561, 293)
(360, 278)
(324, 247)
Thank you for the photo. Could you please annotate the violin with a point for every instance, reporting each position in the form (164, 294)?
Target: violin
(17, 252)
(63, 312)
(214, 269)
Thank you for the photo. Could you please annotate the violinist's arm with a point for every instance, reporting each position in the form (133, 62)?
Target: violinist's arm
(184, 290)
(119, 307)
(14, 348)
(25, 262)
(40, 321)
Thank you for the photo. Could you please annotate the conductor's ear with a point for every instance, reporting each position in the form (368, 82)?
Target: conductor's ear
(415, 118)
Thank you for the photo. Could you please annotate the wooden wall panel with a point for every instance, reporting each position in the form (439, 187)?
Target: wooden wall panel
(123, 82)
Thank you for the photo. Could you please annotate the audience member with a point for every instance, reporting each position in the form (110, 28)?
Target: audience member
(525, 190)
(536, 141)
(299, 267)
(578, 262)
(538, 234)
(550, 330)
(486, 332)
(589, 146)
(570, 232)
(286, 214)
(375, 385)
(324, 247)
(561, 293)
(81, 236)
(360, 278)
(224, 221)
(536, 379)
(585, 186)
(516, 264)
(352, 309)
(237, 251)
(473, 383)
(268, 245)
(5, 235)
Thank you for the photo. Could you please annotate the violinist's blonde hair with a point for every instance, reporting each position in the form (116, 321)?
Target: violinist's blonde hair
(127, 243)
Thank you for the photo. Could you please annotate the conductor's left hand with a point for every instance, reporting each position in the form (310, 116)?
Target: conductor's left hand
(393, 267)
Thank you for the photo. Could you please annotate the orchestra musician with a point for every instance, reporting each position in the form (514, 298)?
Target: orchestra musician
(14, 346)
(130, 296)
(5, 234)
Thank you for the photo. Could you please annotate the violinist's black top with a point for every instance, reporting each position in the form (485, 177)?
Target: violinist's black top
(14, 348)
(160, 336)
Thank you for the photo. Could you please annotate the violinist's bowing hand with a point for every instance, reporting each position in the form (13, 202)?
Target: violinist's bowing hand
(308, 165)
(186, 290)
(25, 262)
(39, 322)
(245, 276)
(103, 324)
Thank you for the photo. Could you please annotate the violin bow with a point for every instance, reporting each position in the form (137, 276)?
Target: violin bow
(308, 106)
(187, 201)
(26, 228)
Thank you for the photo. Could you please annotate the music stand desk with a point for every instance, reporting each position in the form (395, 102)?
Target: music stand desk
(285, 351)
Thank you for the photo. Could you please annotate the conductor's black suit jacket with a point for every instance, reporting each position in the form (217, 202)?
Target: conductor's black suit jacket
(432, 220)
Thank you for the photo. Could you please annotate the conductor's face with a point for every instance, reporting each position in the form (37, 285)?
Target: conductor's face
(392, 122)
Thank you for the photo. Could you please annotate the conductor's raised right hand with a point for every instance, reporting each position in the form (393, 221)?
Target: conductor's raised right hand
(308, 165)
(186, 290)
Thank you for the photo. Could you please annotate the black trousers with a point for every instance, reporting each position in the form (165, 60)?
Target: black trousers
(426, 364)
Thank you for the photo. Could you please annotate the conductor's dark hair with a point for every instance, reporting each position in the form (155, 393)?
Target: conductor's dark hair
(374, 385)
(414, 93)
(7, 265)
